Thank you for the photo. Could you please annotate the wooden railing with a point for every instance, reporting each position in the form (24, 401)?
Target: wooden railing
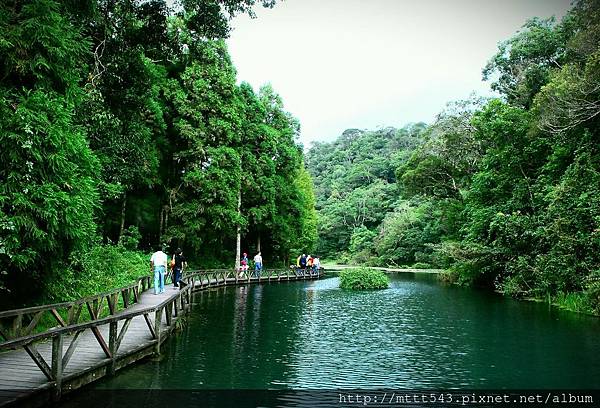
(21, 328)
(22, 323)
(218, 277)
(108, 308)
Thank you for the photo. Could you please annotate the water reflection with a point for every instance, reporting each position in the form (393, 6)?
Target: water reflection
(415, 334)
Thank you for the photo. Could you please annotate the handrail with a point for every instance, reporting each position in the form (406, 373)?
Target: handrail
(160, 320)
(23, 332)
(82, 326)
(23, 323)
(33, 309)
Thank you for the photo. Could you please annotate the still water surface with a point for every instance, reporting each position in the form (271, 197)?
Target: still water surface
(418, 334)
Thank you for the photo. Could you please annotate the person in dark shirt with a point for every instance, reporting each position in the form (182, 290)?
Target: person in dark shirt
(179, 264)
(303, 261)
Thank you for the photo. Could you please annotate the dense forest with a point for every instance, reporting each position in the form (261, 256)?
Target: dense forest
(505, 192)
(122, 128)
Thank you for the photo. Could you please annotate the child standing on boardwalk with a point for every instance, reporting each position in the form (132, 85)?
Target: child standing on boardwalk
(244, 264)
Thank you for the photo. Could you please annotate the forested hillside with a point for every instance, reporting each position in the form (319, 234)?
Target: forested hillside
(503, 192)
(122, 127)
(355, 185)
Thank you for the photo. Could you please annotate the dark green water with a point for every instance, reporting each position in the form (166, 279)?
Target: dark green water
(418, 334)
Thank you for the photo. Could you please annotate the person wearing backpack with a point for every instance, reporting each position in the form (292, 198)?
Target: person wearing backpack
(178, 263)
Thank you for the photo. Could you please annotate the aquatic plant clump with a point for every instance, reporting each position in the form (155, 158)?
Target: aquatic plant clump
(363, 278)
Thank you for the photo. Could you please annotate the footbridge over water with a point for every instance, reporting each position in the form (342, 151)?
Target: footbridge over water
(49, 350)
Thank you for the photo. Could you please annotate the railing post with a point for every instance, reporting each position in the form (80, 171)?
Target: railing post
(112, 346)
(125, 295)
(176, 307)
(157, 327)
(169, 312)
(57, 366)
(115, 301)
(16, 326)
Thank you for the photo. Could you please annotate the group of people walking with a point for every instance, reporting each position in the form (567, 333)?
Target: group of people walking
(304, 264)
(244, 264)
(159, 264)
(310, 263)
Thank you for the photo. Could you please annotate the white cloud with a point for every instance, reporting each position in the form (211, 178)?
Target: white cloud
(364, 63)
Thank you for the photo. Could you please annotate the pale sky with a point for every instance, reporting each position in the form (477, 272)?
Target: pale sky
(365, 64)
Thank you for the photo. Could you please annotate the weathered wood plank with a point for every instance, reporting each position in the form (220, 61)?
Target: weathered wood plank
(34, 321)
(150, 325)
(39, 360)
(71, 348)
(122, 333)
(57, 367)
(101, 341)
(58, 317)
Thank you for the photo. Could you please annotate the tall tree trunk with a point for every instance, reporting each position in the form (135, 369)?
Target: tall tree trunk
(239, 229)
(161, 226)
(123, 207)
(258, 243)
(166, 223)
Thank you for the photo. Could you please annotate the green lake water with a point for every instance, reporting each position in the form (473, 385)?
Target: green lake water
(418, 334)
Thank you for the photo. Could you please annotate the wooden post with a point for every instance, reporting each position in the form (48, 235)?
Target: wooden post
(169, 312)
(188, 301)
(157, 322)
(125, 295)
(16, 326)
(57, 366)
(112, 346)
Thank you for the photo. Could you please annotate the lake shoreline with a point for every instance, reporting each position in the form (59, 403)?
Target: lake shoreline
(336, 267)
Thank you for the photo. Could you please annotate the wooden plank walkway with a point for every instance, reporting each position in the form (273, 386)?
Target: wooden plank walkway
(21, 376)
(43, 366)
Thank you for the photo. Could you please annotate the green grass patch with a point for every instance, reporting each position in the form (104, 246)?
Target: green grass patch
(363, 278)
(574, 302)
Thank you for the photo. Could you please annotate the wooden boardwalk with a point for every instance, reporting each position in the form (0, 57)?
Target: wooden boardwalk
(96, 336)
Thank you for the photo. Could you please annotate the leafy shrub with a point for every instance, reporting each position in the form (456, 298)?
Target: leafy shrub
(593, 292)
(449, 277)
(100, 269)
(421, 265)
(363, 278)
(131, 238)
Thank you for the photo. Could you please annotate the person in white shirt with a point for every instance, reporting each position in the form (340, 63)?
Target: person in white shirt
(257, 264)
(158, 264)
(316, 264)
